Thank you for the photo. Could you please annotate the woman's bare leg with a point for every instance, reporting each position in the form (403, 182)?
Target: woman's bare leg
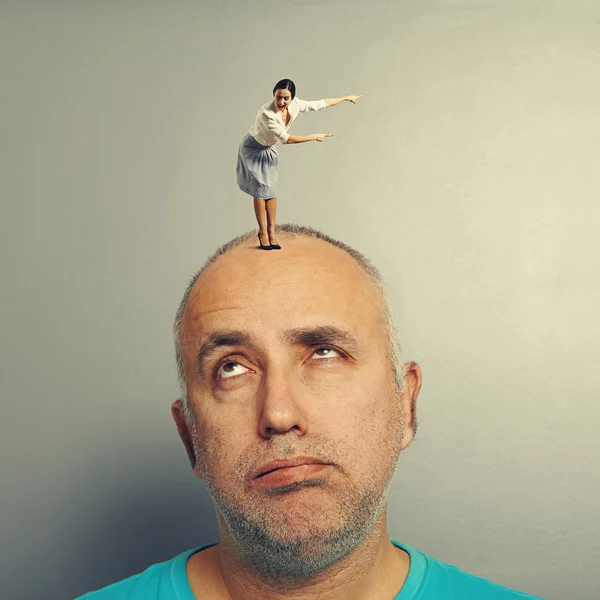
(259, 211)
(271, 206)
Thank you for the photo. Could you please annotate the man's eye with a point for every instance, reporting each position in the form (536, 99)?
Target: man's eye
(326, 353)
(230, 369)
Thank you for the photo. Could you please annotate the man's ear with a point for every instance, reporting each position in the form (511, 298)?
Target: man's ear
(410, 392)
(178, 412)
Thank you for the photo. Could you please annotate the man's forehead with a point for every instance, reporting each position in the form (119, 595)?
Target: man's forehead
(303, 260)
(308, 273)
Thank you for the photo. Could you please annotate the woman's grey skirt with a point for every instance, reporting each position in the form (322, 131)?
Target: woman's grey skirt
(257, 169)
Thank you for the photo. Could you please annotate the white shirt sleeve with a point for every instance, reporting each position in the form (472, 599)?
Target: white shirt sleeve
(275, 127)
(308, 105)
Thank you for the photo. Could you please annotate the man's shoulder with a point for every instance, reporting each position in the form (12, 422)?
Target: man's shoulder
(160, 581)
(143, 585)
(443, 575)
(441, 581)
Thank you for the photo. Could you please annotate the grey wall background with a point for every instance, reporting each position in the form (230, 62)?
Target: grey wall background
(468, 173)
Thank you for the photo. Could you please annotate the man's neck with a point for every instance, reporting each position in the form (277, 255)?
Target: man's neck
(376, 570)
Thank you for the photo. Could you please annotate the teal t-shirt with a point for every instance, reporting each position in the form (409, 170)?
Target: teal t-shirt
(428, 579)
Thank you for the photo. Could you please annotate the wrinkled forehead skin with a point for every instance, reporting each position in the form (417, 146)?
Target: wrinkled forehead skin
(308, 283)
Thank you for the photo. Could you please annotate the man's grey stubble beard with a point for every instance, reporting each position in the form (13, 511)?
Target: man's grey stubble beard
(281, 561)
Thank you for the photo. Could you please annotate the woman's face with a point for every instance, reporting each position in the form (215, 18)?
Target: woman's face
(282, 99)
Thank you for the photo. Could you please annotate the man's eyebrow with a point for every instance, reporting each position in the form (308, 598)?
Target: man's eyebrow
(304, 336)
(217, 340)
(325, 334)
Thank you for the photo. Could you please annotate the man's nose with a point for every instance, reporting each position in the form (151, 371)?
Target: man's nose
(282, 406)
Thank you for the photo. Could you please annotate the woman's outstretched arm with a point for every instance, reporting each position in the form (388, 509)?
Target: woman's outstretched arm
(315, 137)
(333, 101)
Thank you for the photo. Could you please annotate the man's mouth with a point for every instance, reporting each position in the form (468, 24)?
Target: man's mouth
(282, 472)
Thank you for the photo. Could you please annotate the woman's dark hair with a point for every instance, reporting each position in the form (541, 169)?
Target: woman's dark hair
(286, 84)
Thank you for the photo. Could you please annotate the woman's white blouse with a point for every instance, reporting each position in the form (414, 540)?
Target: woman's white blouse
(268, 129)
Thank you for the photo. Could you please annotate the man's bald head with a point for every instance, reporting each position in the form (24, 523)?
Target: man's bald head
(288, 233)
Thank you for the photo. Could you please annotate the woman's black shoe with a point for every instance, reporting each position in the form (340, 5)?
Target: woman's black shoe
(262, 246)
(274, 246)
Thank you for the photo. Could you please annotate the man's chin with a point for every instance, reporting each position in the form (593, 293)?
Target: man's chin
(298, 535)
(289, 553)
(283, 522)
(294, 536)
(296, 526)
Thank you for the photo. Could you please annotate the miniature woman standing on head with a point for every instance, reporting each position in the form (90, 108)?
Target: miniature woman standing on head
(257, 165)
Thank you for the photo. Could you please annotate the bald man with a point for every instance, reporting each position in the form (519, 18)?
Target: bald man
(295, 409)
